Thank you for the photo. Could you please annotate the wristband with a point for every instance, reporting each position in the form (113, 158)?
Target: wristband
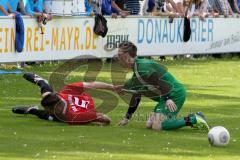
(166, 97)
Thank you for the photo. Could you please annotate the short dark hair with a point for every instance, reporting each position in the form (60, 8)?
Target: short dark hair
(50, 100)
(128, 47)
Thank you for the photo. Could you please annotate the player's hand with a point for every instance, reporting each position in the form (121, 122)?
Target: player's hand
(123, 122)
(124, 14)
(114, 15)
(171, 105)
(47, 16)
(119, 89)
(11, 15)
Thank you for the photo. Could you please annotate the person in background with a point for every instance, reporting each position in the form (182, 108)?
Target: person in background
(227, 10)
(234, 6)
(215, 8)
(36, 8)
(120, 4)
(156, 8)
(15, 4)
(179, 5)
(4, 8)
(109, 7)
(201, 9)
(171, 6)
(88, 7)
(133, 6)
(119, 10)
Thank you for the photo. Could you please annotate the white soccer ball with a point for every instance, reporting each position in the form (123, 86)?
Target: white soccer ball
(218, 136)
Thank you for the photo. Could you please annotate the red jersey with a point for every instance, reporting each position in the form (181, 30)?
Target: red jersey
(79, 106)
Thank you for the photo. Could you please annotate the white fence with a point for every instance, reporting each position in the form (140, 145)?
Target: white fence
(68, 37)
(65, 7)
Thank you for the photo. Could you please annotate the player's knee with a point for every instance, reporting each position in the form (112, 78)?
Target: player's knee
(149, 122)
(157, 125)
(149, 125)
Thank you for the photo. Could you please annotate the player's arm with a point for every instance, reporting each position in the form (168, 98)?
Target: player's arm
(102, 85)
(4, 11)
(133, 105)
(97, 85)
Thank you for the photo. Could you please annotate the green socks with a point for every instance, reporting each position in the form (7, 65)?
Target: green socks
(170, 124)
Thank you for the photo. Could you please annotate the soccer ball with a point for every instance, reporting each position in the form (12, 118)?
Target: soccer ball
(218, 136)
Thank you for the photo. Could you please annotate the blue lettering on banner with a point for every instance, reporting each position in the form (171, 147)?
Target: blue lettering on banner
(161, 31)
(149, 31)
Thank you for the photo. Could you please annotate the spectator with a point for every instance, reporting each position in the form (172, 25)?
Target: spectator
(109, 7)
(226, 9)
(238, 4)
(133, 6)
(202, 9)
(150, 7)
(88, 7)
(118, 9)
(120, 4)
(4, 8)
(36, 8)
(93, 7)
(15, 4)
(234, 6)
(175, 6)
(179, 6)
(215, 7)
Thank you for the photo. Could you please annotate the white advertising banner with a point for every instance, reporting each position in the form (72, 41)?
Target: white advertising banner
(69, 37)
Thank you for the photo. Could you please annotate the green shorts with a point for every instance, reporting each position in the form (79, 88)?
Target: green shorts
(177, 97)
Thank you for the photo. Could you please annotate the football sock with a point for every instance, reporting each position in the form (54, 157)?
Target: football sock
(42, 114)
(45, 87)
(170, 124)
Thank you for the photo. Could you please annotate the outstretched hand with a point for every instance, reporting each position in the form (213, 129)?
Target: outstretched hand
(119, 89)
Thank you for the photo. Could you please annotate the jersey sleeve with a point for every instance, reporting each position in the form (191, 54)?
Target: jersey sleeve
(39, 7)
(73, 88)
(28, 8)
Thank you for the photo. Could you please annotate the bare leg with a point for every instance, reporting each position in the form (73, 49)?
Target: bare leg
(150, 121)
(157, 122)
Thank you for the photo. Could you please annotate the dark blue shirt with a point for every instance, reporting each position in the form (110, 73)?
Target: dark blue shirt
(133, 6)
(106, 7)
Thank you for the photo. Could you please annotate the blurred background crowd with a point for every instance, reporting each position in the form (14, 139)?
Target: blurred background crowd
(123, 8)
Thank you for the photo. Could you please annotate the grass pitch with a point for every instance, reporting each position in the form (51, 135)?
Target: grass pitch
(213, 87)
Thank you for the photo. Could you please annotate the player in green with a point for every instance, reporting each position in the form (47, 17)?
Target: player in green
(154, 81)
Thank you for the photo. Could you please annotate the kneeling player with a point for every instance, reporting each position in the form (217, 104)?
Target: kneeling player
(154, 81)
(71, 104)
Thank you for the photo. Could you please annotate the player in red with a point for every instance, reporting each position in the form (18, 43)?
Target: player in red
(71, 104)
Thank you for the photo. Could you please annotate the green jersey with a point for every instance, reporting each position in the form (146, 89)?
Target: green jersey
(141, 80)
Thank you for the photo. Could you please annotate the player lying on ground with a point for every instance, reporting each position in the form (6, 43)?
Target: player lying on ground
(71, 104)
(154, 81)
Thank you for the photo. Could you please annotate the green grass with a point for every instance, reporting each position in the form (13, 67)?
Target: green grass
(213, 88)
